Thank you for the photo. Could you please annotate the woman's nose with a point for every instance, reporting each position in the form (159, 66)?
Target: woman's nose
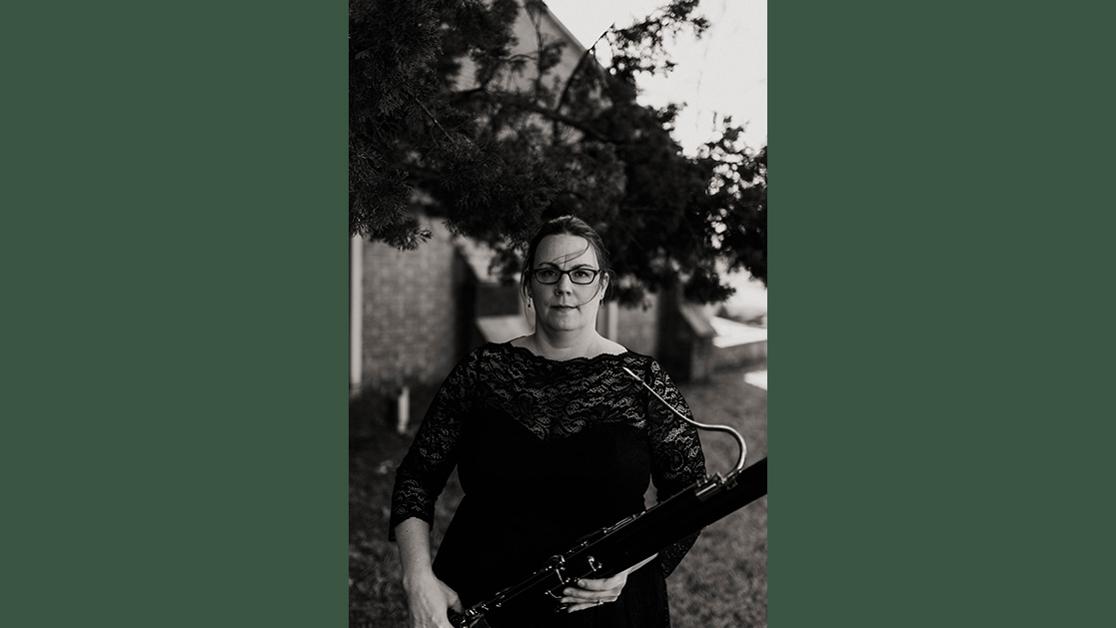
(565, 284)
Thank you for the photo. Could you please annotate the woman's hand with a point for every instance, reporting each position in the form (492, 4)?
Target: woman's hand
(591, 592)
(428, 600)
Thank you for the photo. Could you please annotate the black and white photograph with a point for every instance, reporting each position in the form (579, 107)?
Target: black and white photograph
(558, 313)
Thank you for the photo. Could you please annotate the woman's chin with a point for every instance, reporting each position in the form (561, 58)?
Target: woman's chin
(564, 319)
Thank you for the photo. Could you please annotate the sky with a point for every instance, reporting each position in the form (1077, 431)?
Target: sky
(723, 73)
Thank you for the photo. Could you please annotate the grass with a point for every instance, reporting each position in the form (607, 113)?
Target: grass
(721, 582)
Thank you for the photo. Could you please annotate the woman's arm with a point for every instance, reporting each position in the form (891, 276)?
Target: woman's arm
(419, 480)
(428, 598)
(676, 457)
(423, 472)
(412, 536)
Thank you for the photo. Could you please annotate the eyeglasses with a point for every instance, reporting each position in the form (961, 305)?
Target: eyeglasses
(549, 275)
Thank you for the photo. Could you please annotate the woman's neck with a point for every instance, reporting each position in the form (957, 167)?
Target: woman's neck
(564, 346)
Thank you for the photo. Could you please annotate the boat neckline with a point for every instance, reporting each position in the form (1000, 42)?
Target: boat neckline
(532, 354)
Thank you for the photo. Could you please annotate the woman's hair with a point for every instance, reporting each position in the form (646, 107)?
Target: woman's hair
(569, 225)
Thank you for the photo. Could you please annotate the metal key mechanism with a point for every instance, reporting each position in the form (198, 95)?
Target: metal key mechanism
(705, 426)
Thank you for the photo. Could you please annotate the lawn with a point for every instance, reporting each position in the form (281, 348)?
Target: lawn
(721, 582)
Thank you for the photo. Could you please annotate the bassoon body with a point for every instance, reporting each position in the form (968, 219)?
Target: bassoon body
(616, 547)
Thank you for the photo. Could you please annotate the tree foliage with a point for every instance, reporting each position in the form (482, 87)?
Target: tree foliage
(446, 115)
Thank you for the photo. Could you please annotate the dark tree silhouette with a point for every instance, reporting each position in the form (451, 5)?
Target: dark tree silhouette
(446, 117)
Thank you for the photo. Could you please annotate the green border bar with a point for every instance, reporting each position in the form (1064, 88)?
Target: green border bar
(940, 241)
(175, 374)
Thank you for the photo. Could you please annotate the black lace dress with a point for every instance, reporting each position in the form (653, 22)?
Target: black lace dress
(546, 452)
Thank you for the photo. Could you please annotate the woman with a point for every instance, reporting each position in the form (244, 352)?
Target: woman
(551, 440)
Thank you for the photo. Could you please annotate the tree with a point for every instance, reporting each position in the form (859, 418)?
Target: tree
(435, 121)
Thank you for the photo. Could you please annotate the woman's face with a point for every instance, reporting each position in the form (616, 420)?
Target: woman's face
(565, 305)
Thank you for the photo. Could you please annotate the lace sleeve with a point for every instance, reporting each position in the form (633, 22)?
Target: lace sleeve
(676, 457)
(422, 474)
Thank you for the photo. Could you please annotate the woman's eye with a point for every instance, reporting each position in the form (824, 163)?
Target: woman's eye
(582, 275)
(546, 274)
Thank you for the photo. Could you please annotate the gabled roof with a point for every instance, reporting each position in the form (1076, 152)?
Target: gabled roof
(578, 45)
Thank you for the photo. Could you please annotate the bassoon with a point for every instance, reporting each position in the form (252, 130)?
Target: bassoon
(611, 549)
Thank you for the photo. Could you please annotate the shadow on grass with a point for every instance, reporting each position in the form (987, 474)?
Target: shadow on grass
(721, 582)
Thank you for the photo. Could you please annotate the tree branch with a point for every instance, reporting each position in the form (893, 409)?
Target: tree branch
(577, 68)
(429, 115)
(524, 104)
(566, 120)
